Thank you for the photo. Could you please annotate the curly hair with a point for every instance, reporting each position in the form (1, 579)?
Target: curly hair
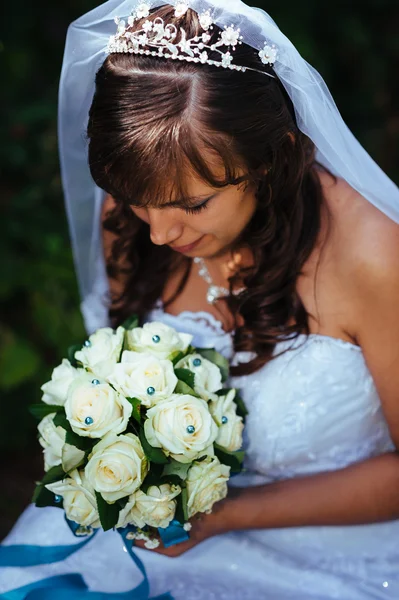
(150, 117)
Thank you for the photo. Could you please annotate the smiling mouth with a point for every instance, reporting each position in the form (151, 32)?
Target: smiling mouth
(188, 247)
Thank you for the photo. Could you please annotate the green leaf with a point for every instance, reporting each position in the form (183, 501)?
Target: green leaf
(109, 513)
(42, 497)
(172, 480)
(154, 455)
(242, 410)
(202, 458)
(122, 502)
(53, 474)
(176, 357)
(183, 388)
(131, 323)
(181, 513)
(71, 354)
(217, 359)
(231, 459)
(83, 443)
(184, 500)
(60, 420)
(223, 392)
(176, 468)
(152, 478)
(186, 376)
(156, 476)
(42, 409)
(136, 403)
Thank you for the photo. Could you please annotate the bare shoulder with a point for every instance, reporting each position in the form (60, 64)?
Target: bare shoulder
(368, 239)
(366, 254)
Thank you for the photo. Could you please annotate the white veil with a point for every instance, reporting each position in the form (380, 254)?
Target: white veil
(316, 113)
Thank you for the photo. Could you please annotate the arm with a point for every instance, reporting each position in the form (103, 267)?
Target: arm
(366, 492)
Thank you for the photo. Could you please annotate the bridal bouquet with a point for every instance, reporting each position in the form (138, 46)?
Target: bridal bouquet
(138, 431)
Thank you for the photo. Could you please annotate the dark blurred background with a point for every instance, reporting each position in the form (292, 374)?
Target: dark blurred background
(355, 47)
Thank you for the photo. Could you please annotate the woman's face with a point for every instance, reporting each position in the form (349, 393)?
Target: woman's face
(207, 223)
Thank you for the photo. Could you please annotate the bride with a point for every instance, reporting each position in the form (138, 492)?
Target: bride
(235, 204)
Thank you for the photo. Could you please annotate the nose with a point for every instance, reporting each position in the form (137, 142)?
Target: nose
(164, 227)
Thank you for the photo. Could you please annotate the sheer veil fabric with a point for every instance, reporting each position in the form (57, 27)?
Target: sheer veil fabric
(316, 113)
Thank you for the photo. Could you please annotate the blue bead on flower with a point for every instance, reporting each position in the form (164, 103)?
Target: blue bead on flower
(197, 362)
(89, 420)
(156, 339)
(151, 391)
(190, 429)
(224, 420)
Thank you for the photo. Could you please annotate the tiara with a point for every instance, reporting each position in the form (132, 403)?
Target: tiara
(157, 39)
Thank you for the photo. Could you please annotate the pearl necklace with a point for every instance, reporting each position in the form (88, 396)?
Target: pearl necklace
(214, 291)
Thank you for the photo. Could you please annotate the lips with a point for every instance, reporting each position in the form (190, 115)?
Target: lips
(188, 248)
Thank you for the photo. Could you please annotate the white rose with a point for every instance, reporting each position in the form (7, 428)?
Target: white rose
(94, 408)
(157, 338)
(206, 484)
(207, 376)
(101, 351)
(156, 508)
(52, 439)
(144, 376)
(79, 499)
(224, 411)
(55, 391)
(182, 426)
(117, 466)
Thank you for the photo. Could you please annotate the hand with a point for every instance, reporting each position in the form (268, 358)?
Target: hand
(203, 526)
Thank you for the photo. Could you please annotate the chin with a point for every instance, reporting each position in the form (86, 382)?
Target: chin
(216, 251)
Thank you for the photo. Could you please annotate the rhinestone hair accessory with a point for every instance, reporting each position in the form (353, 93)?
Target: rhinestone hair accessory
(157, 39)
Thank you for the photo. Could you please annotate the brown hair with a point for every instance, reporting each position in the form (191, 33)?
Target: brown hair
(150, 117)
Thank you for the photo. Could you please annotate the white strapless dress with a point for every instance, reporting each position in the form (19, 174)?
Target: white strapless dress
(313, 409)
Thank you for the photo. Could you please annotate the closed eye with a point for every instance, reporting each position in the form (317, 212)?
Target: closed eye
(194, 210)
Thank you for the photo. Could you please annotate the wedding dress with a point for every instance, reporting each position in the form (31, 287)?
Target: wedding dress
(312, 409)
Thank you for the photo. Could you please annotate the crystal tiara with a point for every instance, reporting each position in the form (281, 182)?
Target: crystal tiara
(157, 39)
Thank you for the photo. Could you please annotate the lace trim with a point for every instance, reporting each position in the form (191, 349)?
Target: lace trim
(320, 338)
(215, 325)
(202, 317)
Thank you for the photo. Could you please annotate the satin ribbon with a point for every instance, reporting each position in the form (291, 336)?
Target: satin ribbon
(70, 585)
(173, 534)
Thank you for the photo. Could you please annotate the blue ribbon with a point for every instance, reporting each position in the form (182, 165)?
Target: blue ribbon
(173, 534)
(70, 585)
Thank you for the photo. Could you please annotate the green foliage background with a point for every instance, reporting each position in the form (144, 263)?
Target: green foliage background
(354, 46)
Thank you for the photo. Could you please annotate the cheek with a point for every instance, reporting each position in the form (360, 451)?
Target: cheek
(141, 213)
(235, 214)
